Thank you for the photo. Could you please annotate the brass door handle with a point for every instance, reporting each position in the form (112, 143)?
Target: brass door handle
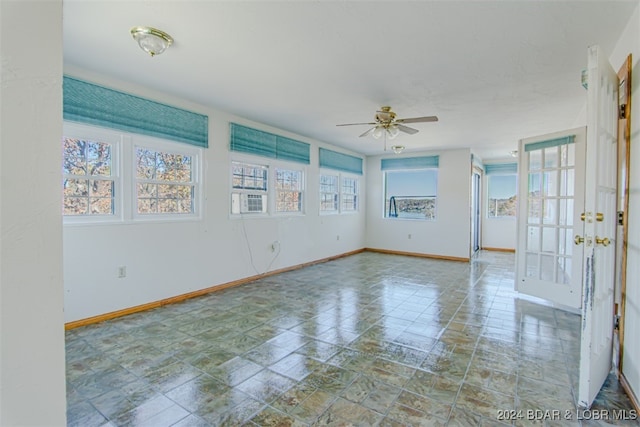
(577, 240)
(602, 241)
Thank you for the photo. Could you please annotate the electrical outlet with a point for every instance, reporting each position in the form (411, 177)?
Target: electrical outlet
(122, 272)
(275, 246)
(338, 237)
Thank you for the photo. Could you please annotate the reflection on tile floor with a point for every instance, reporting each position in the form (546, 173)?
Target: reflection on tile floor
(367, 340)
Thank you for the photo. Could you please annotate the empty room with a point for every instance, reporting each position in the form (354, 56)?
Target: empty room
(265, 213)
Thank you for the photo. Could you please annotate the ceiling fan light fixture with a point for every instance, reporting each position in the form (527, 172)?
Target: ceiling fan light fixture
(378, 132)
(151, 40)
(397, 148)
(393, 131)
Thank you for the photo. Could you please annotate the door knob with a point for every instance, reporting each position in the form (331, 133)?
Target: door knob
(602, 241)
(577, 240)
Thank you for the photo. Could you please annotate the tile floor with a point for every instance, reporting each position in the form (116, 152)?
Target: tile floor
(367, 340)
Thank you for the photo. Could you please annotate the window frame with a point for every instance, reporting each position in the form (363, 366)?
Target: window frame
(169, 147)
(124, 167)
(501, 217)
(277, 191)
(385, 208)
(271, 166)
(339, 194)
(248, 191)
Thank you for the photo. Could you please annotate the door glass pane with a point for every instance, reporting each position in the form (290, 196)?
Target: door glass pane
(533, 239)
(547, 268)
(532, 265)
(549, 241)
(534, 184)
(566, 182)
(551, 157)
(562, 241)
(534, 210)
(550, 211)
(550, 183)
(535, 160)
(563, 274)
(568, 242)
(567, 155)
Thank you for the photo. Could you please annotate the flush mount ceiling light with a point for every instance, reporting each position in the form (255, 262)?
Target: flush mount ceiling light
(151, 40)
(397, 148)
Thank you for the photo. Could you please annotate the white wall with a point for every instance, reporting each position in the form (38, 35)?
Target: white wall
(32, 363)
(449, 235)
(172, 258)
(629, 43)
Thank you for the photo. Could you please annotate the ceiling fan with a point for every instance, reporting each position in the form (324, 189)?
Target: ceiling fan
(387, 124)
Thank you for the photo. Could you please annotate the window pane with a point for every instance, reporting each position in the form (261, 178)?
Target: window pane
(83, 161)
(502, 196)
(165, 182)
(411, 194)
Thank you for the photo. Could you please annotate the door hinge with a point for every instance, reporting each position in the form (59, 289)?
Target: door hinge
(622, 112)
(620, 217)
(616, 322)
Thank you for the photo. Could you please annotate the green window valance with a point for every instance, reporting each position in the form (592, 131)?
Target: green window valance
(422, 162)
(338, 161)
(92, 104)
(550, 143)
(252, 141)
(501, 168)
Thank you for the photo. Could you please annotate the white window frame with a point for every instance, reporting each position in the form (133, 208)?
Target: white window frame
(124, 170)
(355, 194)
(385, 208)
(239, 196)
(501, 217)
(271, 166)
(160, 145)
(334, 194)
(277, 190)
(340, 193)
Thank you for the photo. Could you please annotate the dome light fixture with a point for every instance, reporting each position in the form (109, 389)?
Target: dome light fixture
(151, 40)
(397, 148)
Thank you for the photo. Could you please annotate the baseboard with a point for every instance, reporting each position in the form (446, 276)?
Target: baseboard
(417, 254)
(499, 249)
(632, 396)
(179, 298)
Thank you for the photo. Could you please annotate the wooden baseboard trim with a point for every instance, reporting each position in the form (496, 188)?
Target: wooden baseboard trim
(499, 249)
(417, 254)
(632, 396)
(179, 298)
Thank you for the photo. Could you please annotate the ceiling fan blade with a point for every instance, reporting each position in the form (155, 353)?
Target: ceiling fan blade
(367, 132)
(407, 129)
(353, 124)
(418, 119)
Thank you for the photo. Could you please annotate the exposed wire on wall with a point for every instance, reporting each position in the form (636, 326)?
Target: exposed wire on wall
(246, 239)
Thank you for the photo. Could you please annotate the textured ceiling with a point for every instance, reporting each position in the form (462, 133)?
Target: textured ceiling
(492, 71)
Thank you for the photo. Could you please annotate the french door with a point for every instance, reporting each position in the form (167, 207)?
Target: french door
(567, 222)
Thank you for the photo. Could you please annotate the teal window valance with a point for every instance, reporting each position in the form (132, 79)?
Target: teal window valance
(500, 168)
(550, 143)
(338, 161)
(422, 162)
(92, 104)
(252, 141)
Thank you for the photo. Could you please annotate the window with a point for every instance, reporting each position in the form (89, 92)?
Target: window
(249, 188)
(288, 190)
(110, 176)
(502, 191)
(88, 177)
(329, 193)
(349, 194)
(164, 182)
(411, 194)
